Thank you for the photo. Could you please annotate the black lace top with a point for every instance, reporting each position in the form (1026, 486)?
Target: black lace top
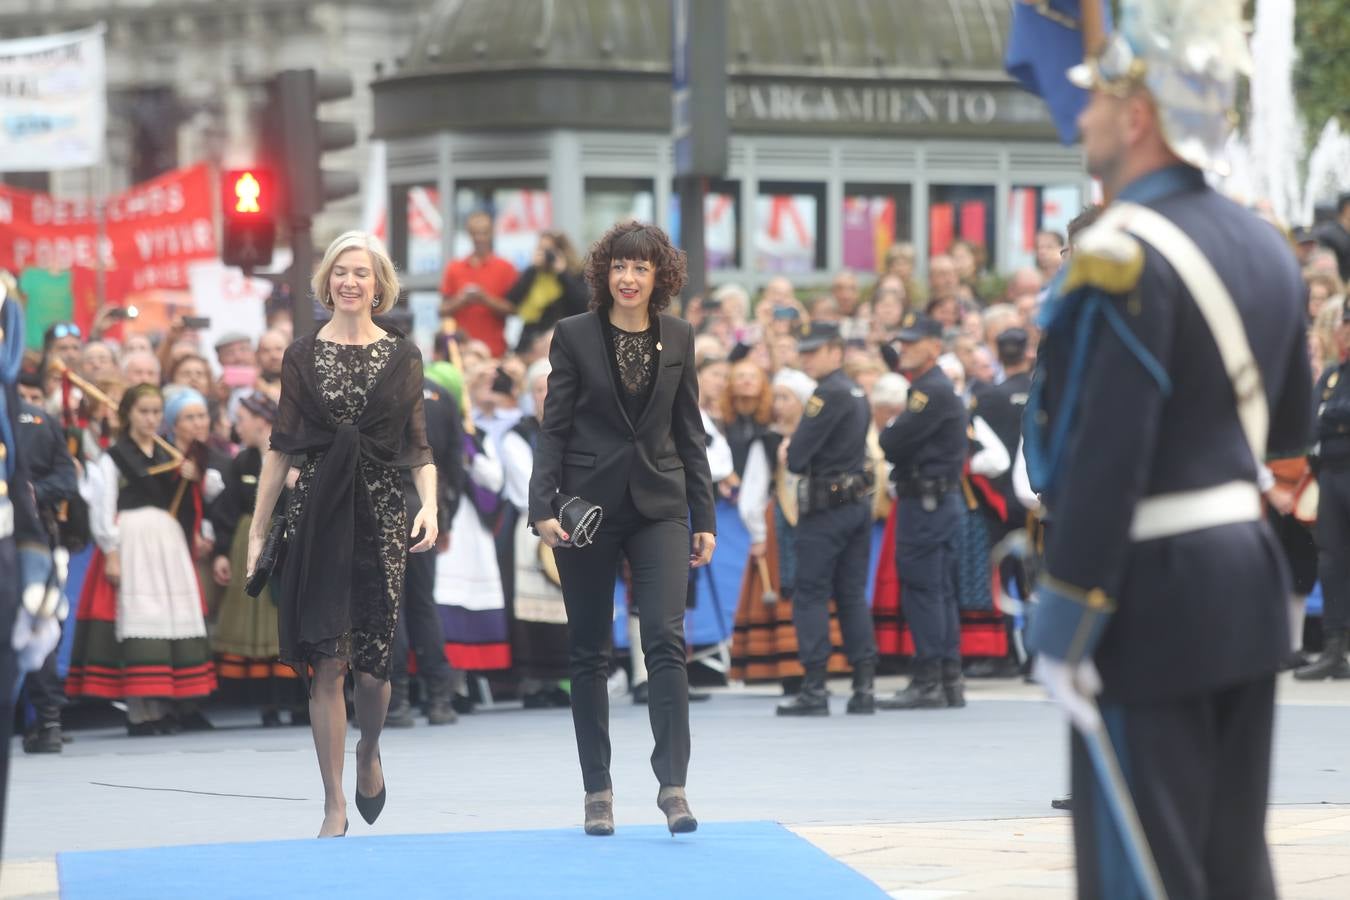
(634, 357)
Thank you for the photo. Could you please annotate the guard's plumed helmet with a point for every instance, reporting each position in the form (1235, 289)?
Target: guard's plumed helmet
(1188, 54)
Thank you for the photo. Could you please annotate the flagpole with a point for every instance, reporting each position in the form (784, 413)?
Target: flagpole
(1094, 31)
(101, 234)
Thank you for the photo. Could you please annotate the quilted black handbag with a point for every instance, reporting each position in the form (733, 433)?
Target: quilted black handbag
(580, 520)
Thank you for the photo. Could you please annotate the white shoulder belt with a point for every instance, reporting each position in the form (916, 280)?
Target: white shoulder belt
(1165, 515)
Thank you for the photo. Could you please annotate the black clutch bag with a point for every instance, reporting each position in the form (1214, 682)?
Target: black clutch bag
(580, 520)
(267, 559)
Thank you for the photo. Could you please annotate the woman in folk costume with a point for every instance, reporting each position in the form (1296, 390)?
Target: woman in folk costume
(764, 643)
(140, 630)
(245, 636)
(536, 615)
(187, 420)
(468, 590)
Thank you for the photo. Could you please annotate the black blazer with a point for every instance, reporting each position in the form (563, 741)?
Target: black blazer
(588, 447)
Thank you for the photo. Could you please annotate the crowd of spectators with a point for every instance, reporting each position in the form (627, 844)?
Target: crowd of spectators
(501, 612)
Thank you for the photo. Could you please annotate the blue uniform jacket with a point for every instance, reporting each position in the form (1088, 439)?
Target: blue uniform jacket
(832, 437)
(928, 439)
(1131, 400)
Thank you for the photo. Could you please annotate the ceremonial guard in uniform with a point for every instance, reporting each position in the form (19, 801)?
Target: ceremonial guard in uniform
(1173, 359)
(926, 447)
(834, 528)
(42, 446)
(1333, 515)
(31, 603)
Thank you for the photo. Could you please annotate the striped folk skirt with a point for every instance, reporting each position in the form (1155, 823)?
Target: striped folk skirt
(245, 637)
(764, 640)
(148, 637)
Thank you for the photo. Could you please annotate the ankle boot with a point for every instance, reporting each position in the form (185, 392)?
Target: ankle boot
(600, 813)
(439, 710)
(953, 685)
(811, 701)
(864, 701)
(924, 691)
(400, 714)
(1332, 662)
(671, 801)
(45, 738)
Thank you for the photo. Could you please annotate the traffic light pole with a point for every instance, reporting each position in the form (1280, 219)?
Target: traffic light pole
(299, 275)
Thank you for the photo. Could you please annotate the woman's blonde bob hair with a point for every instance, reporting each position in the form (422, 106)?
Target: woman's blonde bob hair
(386, 279)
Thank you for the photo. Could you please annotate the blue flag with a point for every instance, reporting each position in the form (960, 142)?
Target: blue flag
(1045, 41)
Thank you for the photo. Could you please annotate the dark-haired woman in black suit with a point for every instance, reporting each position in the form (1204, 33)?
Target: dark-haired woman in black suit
(621, 429)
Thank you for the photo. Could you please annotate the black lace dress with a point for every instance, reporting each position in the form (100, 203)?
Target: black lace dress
(346, 374)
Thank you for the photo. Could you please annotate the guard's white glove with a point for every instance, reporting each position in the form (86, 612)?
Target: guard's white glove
(37, 627)
(1074, 688)
(34, 639)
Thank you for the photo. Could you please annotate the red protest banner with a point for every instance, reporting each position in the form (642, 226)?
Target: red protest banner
(152, 232)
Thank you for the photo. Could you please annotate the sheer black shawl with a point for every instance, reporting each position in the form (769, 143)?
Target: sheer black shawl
(315, 602)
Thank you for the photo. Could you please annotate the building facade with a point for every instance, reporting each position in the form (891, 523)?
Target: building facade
(184, 77)
(852, 126)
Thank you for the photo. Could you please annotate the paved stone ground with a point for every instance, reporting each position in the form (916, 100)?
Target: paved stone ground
(929, 804)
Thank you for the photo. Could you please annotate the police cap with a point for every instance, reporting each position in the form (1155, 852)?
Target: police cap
(820, 334)
(916, 327)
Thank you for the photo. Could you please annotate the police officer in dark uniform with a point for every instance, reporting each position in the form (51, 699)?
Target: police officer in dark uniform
(926, 447)
(1333, 514)
(1173, 362)
(1002, 405)
(419, 626)
(834, 531)
(52, 474)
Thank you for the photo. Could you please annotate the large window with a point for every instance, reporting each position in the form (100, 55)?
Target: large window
(1033, 209)
(875, 216)
(961, 212)
(611, 200)
(415, 228)
(721, 223)
(790, 227)
(520, 208)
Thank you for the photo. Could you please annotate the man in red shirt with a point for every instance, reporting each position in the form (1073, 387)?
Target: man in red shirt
(474, 288)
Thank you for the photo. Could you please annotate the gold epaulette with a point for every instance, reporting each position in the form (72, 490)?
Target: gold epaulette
(1109, 259)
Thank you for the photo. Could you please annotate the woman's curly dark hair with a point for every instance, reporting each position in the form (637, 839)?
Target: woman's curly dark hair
(633, 240)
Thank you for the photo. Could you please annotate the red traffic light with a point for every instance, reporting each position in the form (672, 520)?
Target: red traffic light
(247, 193)
(249, 217)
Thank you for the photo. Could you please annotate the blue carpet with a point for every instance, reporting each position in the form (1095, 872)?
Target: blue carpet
(724, 859)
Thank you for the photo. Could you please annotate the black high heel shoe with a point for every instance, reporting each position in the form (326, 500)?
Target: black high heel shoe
(345, 824)
(371, 807)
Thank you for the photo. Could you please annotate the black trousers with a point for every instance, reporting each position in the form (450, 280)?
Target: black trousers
(1333, 545)
(1199, 771)
(45, 690)
(926, 562)
(9, 664)
(658, 554)
(833, 547)
(420, 626)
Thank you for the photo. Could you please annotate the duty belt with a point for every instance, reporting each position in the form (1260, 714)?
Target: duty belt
(929, 491)
(816, 493)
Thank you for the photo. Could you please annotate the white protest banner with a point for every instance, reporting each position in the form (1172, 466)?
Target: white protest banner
(232, 302)
(53, 101)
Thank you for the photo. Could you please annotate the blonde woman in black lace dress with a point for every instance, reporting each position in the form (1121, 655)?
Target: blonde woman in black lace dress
(350, 417)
